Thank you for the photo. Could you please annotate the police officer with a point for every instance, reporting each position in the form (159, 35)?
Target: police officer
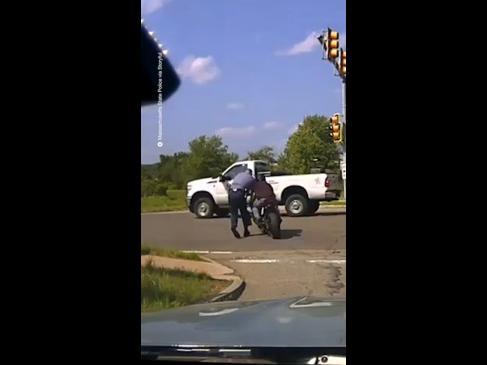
(242, 183)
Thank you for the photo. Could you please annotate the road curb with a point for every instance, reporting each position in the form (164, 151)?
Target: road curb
(166, 212)
(232, 292)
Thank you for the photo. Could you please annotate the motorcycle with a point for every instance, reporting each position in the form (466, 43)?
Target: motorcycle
(270, 222)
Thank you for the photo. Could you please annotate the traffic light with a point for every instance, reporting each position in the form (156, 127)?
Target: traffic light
(335, 128)
(343, 63)
(322, 40)
(332, 45)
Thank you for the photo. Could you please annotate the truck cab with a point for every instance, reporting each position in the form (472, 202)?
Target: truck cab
(257, 167)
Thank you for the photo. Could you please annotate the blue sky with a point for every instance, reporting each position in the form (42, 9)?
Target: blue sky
(251, 70)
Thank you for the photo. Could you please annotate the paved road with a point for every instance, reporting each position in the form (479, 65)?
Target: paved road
(309, 260)
(284, 274)
(325, 231)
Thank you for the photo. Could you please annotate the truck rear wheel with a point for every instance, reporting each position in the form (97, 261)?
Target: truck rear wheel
(204, 207)
(296, 205)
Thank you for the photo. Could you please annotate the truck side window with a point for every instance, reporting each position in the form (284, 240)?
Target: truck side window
(230, 174)
(261, 167)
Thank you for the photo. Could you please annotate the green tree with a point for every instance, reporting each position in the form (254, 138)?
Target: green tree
(150, 187)
(265, 153)
(171, 169)
(149, 171)
(309, 147)
(208, 156)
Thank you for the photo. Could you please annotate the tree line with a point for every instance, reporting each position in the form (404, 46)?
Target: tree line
(310, 148)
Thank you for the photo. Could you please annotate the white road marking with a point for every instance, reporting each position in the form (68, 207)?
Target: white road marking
(328, 261)
(208, 252)
(248, 261)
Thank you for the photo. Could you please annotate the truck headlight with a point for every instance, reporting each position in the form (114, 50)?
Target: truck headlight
(188, 187)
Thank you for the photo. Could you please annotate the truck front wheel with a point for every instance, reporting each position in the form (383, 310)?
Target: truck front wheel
(204, 207)
(296, 205)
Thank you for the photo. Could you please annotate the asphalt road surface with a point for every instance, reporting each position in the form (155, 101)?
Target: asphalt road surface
(310, 259)
(182, 231)
(284, 274)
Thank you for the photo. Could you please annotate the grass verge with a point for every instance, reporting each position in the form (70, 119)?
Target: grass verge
(165, 288)
(174, 200)
(167, 252)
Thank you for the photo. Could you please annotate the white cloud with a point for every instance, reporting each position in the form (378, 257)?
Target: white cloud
(150, 6)
(235, 106)
(236, 131)
(293, 129)
(242, 139)
(305, 46)
(200, 70)
(248, 131)
(272, 125)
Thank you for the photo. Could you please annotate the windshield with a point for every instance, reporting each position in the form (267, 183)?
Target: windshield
(262, 84)
(232, 172)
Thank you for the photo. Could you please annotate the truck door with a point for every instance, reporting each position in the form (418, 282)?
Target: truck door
(221, 195)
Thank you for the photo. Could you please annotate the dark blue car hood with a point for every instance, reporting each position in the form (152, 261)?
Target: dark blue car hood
(295, 322)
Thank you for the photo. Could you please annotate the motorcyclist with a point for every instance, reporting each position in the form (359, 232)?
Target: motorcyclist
(263, 195)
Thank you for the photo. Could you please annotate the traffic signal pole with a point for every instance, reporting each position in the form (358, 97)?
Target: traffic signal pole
(344, 152)
(329, 41)
(342, 72)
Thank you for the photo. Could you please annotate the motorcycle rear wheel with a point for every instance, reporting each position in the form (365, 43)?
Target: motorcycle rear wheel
(274, 225)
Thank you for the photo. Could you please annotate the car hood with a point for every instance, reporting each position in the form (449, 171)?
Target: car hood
(206, 180)
(295, 322)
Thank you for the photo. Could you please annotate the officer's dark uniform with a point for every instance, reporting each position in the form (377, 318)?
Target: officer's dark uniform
(236, 198)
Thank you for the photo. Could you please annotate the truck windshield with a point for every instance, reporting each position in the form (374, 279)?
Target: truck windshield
(230, 174)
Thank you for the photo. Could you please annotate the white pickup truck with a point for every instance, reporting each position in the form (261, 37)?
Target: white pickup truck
(300, 194)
